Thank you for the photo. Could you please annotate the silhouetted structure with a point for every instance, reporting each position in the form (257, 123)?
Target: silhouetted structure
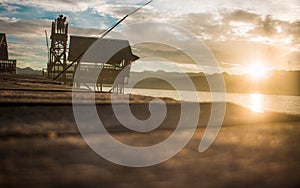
(61, 24)
(58, 50)
(3, 47)
(6, 66)
(112, 56)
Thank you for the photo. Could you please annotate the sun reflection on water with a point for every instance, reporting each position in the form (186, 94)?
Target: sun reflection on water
(256, 103)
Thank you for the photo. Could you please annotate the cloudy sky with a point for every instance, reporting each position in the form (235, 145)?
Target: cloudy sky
(239, 32)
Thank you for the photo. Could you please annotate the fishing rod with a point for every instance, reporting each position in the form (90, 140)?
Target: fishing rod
(104, 34)
(47, 42)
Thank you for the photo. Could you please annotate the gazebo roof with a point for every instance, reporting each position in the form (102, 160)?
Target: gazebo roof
(108, 51)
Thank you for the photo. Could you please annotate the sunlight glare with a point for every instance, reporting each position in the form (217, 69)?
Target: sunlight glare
(256, 103)
(257, 71)
(279, 29)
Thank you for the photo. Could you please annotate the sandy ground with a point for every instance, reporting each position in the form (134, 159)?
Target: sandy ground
(40, 145)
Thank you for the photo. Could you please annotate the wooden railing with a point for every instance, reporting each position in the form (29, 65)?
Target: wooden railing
(8, 66)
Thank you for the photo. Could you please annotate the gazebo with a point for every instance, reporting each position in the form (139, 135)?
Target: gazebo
(112, 56)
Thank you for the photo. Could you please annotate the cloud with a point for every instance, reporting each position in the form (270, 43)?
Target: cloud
(27, 28)
(287, 10)
(231, 28)
(294, 30)
(240, 15)
(9, 8)
(49, 5)
(9, 20)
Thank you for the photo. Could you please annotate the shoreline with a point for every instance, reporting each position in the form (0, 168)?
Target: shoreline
(52, 111)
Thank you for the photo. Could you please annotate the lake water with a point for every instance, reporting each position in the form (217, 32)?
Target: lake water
(255, 102)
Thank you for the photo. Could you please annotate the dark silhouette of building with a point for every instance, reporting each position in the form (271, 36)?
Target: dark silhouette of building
(6, 66)
(3, 47)
(113, 57)
(58, 50)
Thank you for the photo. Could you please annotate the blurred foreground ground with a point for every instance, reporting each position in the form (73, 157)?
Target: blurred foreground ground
(40, 145)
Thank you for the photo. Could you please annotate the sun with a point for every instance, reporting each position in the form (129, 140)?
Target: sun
(278, 29)
(257, 71)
